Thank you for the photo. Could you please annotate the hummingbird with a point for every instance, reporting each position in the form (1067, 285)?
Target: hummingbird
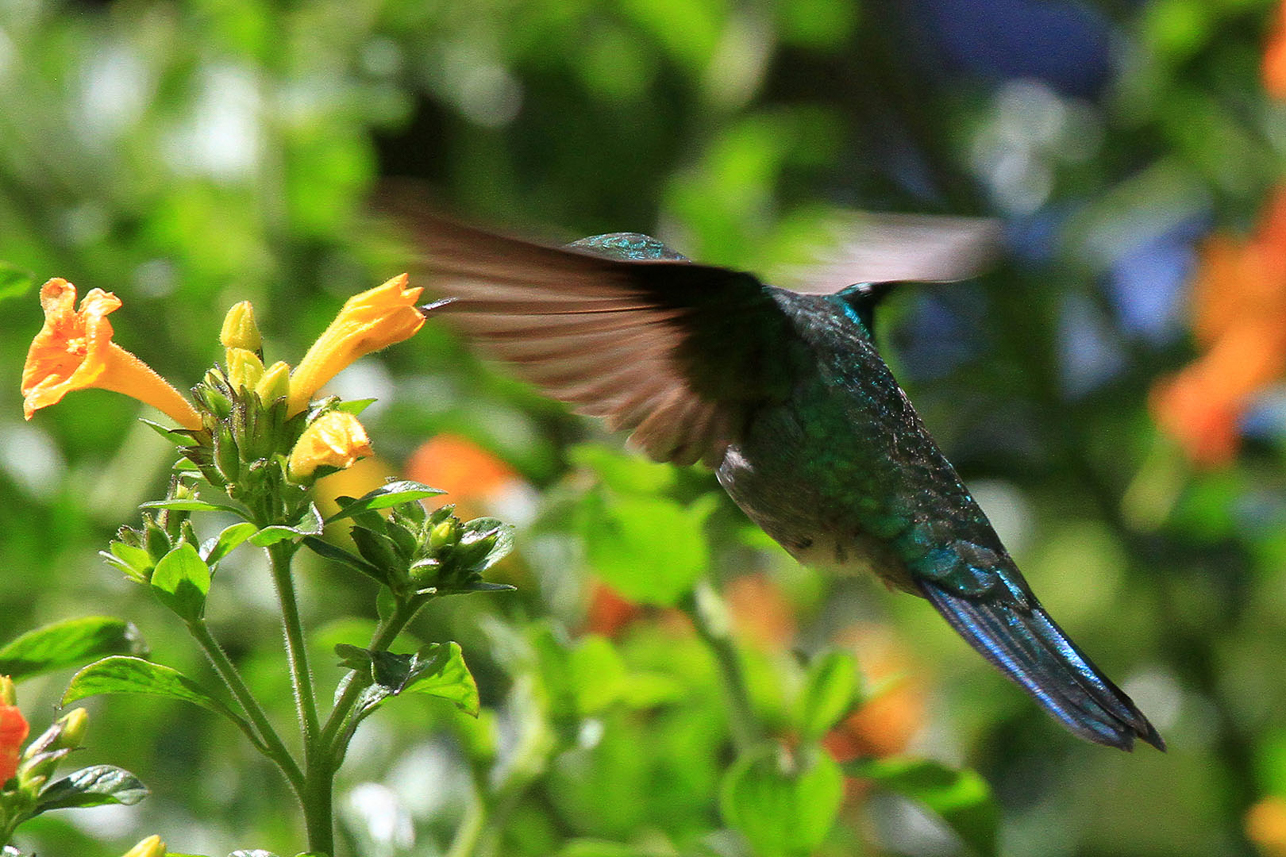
(785, 396)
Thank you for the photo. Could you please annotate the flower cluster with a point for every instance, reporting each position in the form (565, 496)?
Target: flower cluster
(246, 415)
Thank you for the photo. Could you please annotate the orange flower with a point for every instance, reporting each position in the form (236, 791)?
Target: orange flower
(1274, 67)
(74, 351)
(608, 612)
(369, 321)
(13, 731)
(885, 724)
(1266, 826)
(1239, 319)
(335, 439)
(474, 479)
(760, 611)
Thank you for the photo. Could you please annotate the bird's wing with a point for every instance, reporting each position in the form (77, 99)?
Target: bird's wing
(862, 247)
(671, 351)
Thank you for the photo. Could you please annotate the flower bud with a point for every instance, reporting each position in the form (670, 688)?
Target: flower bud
(152, 846)
(275, 383)
(245, 369)
(335, 439)
(73, 725)
(444, 534)
(239, 328)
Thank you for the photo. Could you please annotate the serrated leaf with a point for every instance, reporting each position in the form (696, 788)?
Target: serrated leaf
(181, 580)
(784, 809)
(961, 798)
(93, 786)
(120, 674)
(830, 689)
(191, 505)
(68, 643)
(323, 548)
(228, 541)
(385, 496)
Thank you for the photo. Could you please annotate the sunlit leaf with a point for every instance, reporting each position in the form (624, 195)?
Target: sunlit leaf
(69, 643)
(384, 497)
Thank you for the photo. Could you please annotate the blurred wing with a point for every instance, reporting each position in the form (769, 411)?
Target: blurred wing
(670, 351)
(880, 248)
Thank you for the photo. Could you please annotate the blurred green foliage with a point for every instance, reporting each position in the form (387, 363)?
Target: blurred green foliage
(189, 155)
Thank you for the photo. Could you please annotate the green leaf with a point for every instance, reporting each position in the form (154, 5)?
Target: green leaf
(384, 497)
(69, 643)
(119, 674)
(621, 472)
(254, 852)
(784, 809)
(445, 675)
(650, 549)
(192, 505)
(309, 525)
(14, 281)
(436, 670)
(133, 561)
(181, 580)
(355, 406)
(228, 541)
(961, 798)
(92, 786)
(829, 691)
(323, 548)
(182, 437)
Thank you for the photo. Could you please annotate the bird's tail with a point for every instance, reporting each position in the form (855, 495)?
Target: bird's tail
(1033, 651)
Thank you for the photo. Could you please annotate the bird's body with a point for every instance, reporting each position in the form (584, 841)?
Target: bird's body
(786, 397)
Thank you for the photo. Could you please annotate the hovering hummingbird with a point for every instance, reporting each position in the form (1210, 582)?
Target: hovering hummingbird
(785, 396)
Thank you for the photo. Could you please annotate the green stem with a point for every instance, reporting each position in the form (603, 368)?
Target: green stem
(709, 616)
(269, 742)
(333, 738)
(318, 786)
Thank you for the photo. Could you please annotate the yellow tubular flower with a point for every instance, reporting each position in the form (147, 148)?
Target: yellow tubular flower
(152, 846)
(370, 321)
(335, 439)
(74, 351)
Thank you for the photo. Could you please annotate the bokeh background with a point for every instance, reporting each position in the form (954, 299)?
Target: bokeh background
(1110, 389)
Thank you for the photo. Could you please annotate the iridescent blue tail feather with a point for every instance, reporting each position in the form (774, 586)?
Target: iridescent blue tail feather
(1033, 651)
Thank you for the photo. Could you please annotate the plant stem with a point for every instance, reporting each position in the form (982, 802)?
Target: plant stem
(709, 616)
(332, 740)
(270, 742)
(318, 785)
